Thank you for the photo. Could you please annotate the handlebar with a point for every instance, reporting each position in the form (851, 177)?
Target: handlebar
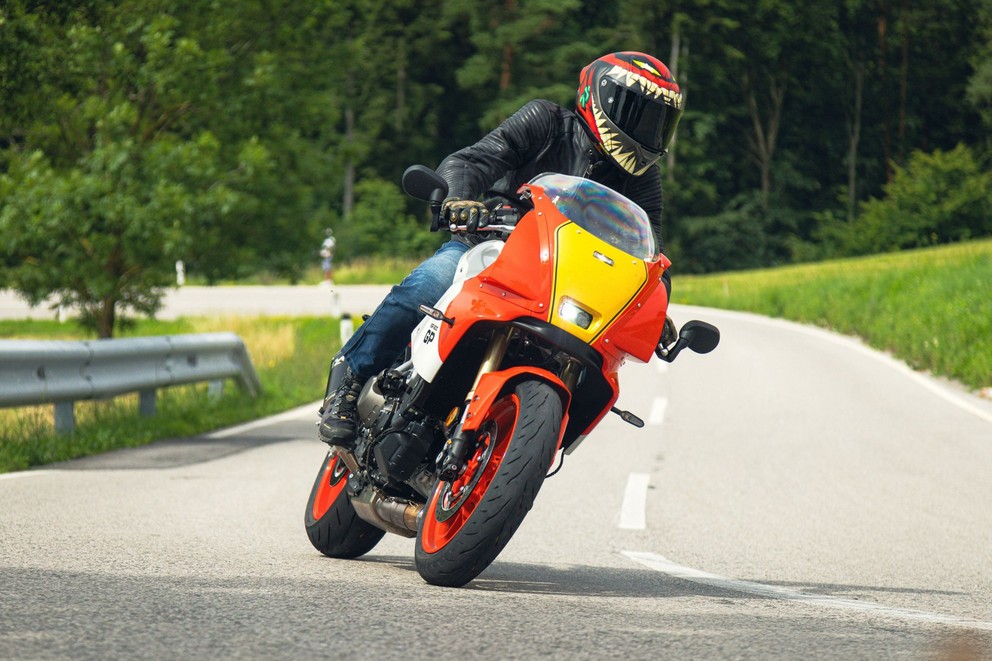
(508, 215)
(488, 228)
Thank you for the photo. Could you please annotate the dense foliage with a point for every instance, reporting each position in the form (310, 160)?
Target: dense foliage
(134, 133)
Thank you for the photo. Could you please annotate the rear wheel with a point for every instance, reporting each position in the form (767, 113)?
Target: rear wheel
(332, 525)
(469, 521)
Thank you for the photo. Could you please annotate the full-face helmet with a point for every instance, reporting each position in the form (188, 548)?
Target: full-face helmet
(631, 105)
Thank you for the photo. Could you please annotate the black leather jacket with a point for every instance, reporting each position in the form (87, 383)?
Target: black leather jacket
(543, 137)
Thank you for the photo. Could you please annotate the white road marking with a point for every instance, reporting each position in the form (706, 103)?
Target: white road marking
(292, 414)
(27, 473)
(665, 566)
(658, 407)
(634, 499)
(661, 365)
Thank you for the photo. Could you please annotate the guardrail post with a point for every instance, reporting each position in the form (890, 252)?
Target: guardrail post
(215, 389)
(146, 402)
(65, 417)
(347, 328)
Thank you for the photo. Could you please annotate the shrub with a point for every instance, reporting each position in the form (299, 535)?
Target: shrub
(937, 198)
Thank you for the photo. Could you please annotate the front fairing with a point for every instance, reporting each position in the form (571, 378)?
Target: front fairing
(584, 260)
(606, 267)
(597, 260)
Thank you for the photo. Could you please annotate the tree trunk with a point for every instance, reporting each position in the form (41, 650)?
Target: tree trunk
(765, 130)
(400, 85)
(506, 70)
(348, 196)
(853, 137)
(106, 316)
(903, 83)
(883, 67)
(673, 65)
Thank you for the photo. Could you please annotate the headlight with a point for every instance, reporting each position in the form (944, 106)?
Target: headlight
(570, 311)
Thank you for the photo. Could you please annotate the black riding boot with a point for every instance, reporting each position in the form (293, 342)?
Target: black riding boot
(339, 414)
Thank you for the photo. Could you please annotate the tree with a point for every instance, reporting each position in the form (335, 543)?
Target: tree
(939, 197)
(979, 91)
(100, 223)
(523, 49)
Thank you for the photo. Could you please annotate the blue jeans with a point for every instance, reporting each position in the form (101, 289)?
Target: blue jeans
(377, 342)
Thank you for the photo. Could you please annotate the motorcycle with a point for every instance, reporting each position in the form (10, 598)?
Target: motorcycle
(516, 363)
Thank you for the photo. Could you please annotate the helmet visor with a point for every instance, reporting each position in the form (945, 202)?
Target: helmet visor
(644, 119)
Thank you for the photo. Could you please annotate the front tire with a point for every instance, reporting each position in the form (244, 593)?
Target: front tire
(468, 522)
(333, 526)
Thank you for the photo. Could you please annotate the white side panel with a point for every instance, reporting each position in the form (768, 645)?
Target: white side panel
(424, 342)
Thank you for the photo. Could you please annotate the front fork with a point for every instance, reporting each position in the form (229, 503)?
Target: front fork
(452, 458)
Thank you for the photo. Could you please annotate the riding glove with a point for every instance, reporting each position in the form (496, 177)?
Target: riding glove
(471, 213)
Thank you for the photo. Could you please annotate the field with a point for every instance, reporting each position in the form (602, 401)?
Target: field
(931, 308)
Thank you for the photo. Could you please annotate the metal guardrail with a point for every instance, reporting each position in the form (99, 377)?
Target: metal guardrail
(63, 372)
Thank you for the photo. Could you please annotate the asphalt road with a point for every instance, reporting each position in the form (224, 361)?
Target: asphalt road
(355, 300)
(793, 495)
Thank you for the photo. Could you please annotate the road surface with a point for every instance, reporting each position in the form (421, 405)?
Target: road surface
(233, 301)
(793, 495)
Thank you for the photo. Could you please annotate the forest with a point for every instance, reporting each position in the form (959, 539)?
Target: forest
(134, 133)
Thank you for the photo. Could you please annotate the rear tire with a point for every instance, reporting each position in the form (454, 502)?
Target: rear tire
(467, 523)
(333, 526)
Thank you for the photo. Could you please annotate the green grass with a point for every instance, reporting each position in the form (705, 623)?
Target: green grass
(291, 356)
(362, 271)
(374, 271)
(932, 308)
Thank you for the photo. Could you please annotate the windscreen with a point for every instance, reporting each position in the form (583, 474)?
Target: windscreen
(601, 211)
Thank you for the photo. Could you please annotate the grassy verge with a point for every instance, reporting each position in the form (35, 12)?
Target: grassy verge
(374, 271)
(931, 308)
(291, 356)
(364, 271)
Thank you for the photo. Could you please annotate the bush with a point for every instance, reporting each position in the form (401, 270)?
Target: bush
(381, 226)
(728, 241)
(937, 198)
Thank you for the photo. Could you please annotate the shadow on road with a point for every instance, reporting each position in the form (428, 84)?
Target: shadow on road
(177, 452)
(577, 580)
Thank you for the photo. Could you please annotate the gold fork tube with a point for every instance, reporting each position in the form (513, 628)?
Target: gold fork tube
(494, 356)
(570, 374)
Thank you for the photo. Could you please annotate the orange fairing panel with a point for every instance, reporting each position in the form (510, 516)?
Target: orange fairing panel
(524, 268)
(492, 384)
(639, 328)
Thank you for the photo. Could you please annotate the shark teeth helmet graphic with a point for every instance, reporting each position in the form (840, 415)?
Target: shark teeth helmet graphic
(631, 105)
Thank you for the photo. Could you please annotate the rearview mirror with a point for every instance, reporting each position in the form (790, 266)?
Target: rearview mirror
(702, 337)
(422, 183)
(697, 335)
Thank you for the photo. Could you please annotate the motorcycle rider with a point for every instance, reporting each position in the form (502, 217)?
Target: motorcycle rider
(627, 107)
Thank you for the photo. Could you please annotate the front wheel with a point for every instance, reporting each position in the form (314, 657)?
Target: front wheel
(333, 526)
(469, 521)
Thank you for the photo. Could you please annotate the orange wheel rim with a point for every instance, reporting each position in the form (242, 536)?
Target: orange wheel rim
(453, 504)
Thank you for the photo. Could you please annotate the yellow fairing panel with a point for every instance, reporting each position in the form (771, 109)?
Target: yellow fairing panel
(600, 278)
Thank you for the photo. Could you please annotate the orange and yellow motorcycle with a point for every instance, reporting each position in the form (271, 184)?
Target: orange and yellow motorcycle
(517, 362)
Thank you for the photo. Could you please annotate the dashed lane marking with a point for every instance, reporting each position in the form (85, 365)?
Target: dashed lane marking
(634, 498)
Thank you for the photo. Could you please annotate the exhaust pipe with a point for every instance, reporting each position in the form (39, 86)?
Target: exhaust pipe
(391, 514)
